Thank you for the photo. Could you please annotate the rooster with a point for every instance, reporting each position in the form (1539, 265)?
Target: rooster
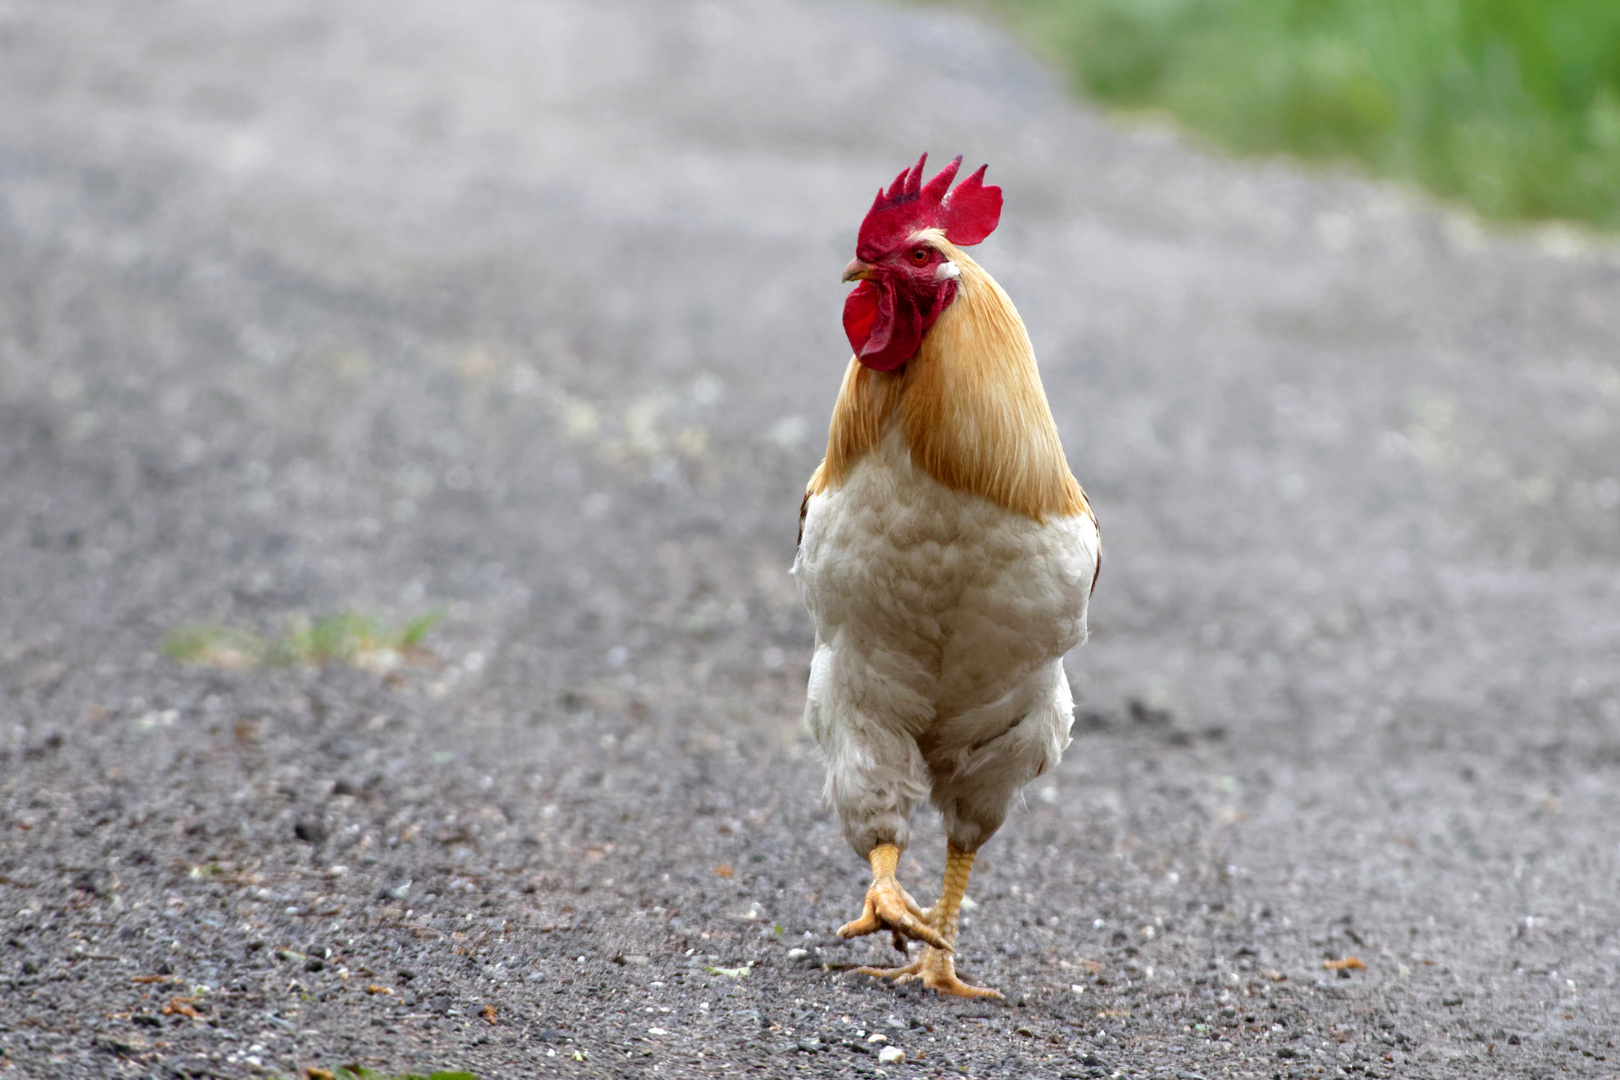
(946, 556)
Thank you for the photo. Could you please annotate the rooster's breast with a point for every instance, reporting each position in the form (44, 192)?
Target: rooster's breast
(943, 591)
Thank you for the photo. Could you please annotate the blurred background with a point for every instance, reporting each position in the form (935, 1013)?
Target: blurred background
(1511, 106)
(405, 407)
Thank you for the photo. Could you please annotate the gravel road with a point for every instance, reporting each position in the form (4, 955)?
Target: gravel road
(528, 314)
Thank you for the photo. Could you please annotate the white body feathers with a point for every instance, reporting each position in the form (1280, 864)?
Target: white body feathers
(941, 623)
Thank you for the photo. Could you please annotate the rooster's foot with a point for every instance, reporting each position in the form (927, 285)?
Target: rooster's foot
(935, 970)
(889, 907)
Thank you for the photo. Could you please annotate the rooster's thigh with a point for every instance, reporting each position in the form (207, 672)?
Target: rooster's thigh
(864, 720)
(974, 791)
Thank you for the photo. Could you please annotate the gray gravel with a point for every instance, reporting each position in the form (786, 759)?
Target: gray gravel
(529, 313)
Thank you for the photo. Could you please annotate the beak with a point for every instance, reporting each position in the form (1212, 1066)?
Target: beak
(858, 271)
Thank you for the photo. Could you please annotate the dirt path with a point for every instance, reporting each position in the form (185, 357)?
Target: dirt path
(528, 313)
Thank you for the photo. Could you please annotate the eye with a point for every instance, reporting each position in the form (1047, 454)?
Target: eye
(920, 256)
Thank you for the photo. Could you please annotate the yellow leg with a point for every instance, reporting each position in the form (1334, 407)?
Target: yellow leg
(889, 907)
(936, 967)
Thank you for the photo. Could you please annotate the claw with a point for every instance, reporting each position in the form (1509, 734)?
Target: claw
(889, 907)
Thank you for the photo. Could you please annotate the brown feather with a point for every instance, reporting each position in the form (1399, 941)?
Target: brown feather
(970, 404)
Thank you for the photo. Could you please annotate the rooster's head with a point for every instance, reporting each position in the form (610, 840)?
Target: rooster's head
(906, 277)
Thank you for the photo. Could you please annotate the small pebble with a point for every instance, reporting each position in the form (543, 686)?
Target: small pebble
(311, 832)
(794, 954)
(891, 1055)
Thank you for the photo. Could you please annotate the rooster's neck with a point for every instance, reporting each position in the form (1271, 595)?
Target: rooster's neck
(970, 405)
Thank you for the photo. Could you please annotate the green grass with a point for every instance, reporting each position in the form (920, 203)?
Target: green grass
(342, 638)
(360, 1072)
(1511, 105)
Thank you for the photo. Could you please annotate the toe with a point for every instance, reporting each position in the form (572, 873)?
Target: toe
(940, 975)
(957, 988)
(915, 928)
(899, 974)
(897, 918)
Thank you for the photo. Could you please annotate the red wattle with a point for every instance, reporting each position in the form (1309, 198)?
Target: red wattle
(860, 312)
(884, 327)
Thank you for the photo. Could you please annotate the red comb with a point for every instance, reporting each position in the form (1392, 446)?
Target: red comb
(966, 215)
